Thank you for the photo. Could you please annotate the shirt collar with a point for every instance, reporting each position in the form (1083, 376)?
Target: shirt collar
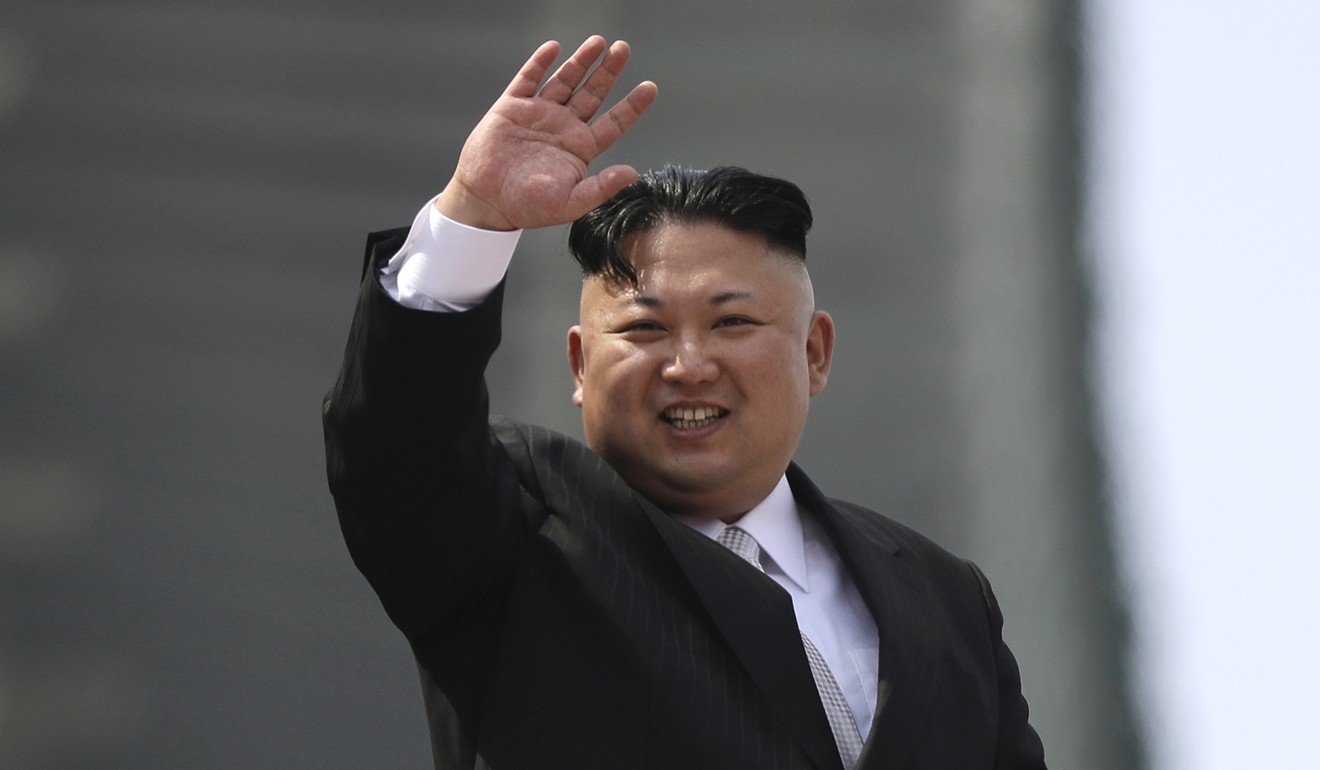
(777, 526)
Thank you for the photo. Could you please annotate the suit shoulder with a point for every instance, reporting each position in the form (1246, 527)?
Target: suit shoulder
(905, 538)
(519, 437)
(546, 458)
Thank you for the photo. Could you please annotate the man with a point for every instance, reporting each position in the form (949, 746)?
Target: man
(677, 595)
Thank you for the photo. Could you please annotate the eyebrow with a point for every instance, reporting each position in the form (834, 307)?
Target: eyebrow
(646, 300)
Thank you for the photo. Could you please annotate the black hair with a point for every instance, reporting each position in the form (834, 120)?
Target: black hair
(733, 197)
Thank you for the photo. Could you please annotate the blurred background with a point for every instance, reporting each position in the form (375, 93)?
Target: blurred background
(1070, 247)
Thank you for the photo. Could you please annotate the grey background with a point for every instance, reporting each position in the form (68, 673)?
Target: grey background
(186, 188)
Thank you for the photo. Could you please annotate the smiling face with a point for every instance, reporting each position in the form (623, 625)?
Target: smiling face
(694, 383)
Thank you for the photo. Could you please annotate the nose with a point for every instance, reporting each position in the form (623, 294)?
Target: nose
(691, 363)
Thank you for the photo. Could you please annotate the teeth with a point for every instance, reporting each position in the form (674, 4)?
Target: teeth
(692, 417)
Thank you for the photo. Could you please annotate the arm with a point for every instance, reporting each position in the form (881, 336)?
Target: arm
(428, 506)
(415, 480)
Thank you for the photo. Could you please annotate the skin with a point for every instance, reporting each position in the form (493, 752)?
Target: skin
(525, 164)
(720, 321)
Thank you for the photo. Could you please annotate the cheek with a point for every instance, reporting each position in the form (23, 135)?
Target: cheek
(780, 369)
(614, 375)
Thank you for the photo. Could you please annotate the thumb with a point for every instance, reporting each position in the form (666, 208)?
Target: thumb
(595, 190)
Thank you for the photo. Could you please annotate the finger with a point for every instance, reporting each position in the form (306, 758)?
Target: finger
(607, 129)
(564, 82)
(595, 190)
(528, 79)
(587, 99)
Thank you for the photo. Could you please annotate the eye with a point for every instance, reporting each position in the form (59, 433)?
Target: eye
(641, 327)
(734, 320)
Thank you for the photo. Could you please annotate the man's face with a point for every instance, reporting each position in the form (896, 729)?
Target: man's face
(694, 384)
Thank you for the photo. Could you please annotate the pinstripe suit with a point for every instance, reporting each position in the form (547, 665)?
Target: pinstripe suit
(560, 620)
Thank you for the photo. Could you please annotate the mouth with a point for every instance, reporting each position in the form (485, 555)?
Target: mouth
(692, 417)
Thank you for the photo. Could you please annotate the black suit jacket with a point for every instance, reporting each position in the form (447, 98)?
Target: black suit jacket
(561, 620)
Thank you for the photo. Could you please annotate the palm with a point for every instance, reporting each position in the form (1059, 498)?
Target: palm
(526, 158)
(526, 163)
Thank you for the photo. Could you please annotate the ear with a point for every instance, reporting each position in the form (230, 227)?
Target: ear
(576, 362)
(820, 350)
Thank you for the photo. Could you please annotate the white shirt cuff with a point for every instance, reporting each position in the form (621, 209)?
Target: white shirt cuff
(447, 266)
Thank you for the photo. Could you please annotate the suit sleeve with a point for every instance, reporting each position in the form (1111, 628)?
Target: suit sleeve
(1018, 745)
(427, 503)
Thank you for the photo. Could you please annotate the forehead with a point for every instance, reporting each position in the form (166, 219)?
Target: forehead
(705, 263)
(687, 250)
(670, 238)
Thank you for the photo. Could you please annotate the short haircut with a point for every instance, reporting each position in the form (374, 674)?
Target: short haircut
(733, 197)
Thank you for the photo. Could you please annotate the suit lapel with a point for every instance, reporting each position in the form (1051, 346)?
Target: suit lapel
(896, 596)
(756, 618)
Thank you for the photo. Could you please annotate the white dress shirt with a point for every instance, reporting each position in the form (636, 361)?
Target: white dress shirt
(445, 266)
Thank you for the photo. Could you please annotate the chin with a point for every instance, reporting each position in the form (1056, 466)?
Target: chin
(675, 494)
(705, 497)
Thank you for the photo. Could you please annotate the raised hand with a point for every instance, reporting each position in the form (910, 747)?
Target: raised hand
(525, 164)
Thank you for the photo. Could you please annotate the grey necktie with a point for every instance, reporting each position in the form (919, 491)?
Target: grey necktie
(842, 724)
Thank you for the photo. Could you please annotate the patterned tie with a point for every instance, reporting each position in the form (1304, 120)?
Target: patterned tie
(842, 724)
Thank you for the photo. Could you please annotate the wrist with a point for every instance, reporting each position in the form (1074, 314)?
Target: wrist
(461, 206)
